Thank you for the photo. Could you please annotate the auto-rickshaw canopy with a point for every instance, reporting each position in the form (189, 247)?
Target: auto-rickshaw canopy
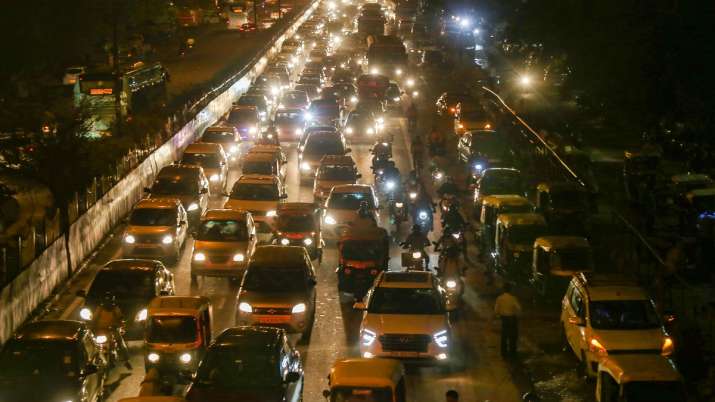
(377, 373)
(549, 243)
(640, 367)
(178, 305)
(509, 220)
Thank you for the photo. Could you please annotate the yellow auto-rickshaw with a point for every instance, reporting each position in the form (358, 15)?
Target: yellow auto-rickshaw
(513, 242)
(177, 333)
(366, 380)
(565, 206)
(639, 377)
(555, 260)
(493, 206)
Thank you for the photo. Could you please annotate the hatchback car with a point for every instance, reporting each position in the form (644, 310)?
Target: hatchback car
(249, 364)
(133, 283)
(316, 146)
(298, 224)
(289, 123)
(212, 159)
(259, 195)
(602, 315)
(361, 126)
(186, 183)
(260, 102)
(278, 289)
(246, 119)
(157, 227)
(334, 170)
(53, 360)
(226, 136)
(342, 205)
(405, 318)
(223, 242)
(262, 164)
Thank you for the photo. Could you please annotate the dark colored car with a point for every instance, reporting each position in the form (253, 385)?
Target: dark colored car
(249, 364)
(186, 183)
(55, 360)
(134, 283)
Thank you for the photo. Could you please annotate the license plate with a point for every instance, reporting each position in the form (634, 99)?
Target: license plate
(273, 320)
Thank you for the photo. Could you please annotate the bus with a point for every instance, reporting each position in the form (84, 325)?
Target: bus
(141, 87)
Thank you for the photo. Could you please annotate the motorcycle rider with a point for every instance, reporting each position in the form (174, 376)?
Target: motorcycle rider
(109, 316)
(453, 221)
(391, 173)
(366, 220)
(448, 188)
(417, 240)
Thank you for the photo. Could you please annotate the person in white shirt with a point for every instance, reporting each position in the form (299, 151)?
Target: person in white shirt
(507, 308)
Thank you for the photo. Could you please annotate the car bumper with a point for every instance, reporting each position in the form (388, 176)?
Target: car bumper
(291, 323)
(147, 250)
(433, 355)
(229, 269)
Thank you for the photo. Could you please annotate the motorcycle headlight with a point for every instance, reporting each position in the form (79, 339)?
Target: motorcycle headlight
(415, 94)
(305, 166)
(399, 204)
(308, 241)
(451, 284)
(456, 235)
(349, 130)
(141, 315)
(101, 339)
(215, 177)
(441, 339)
(199, 257)
(367, 337)
(374, 71)
(185, 358)
(253, 130)
(478, 167)
(271, 213)
(153, 357)
(353, 99)
(438, 175)
(129, 239)
(417, 254)
(193, 207)
(423, 215)
(167, 239)
(285, 242)
(298, 308)
(398, 71)
(410, 82)
(308, 116)
(245, 307)
(238, 257)
(85, 314)
(329, 220)
(390, 185)
(413, 195)
(396, 99)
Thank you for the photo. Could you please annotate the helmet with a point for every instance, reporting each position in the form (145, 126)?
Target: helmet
(108, 299)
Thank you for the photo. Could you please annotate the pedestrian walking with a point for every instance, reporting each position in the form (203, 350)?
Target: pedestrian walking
(507, 308)
(451, 396)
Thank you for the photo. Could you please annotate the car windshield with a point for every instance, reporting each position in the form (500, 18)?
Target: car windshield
(350, 394)
(171, 329)
(211, 161)
(218, 137)
(654, 391)
(623, 314)
(258, 279)
(349, 200)
(324, 145)
(501, 185)
(255, 192)
(525, 234)
(337, 173)
(238, 115)
(488, 145)
(175, 185)
(392, 91)
(575, 258)
(41, 359)
(248, 366)
(294, 97)
(362, 250)
(256, 167)
(288, 117)
(222, 230)
(123, 284)
(296, 223)
(252, 101)
(153, 217)
(418, 301)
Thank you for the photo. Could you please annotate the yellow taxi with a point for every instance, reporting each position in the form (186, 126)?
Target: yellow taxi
(212, 159)
(259, 195)
(366, 380)
(157, 227)
(470, 117)
(334, 170)
(342, 205)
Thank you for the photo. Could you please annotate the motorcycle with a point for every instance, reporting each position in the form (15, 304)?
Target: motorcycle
(423, 218)
(437, 177)
(398, 211)
(108, 344)
(414, 259)
(187, 46)
(447, 202)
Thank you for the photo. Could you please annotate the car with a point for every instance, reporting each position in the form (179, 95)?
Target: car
(289, 123)
(334, 170)
(294, 100)
(323, 111)
(361, 125)
(259, 195)
(485, 147)
(499, 181)
(226, 136)
(188, 183)
(298, 224)
(605, 315)
(260, 102)
(471, 116)
(278, 289)
(156, 227)
(223, 242)
(249, 364)
(447, 102)
(405, 318)
(393, 97)
(245, 119)
(316, 145)
(293, 45)
(212, 159)
(52, 360)
(262, 163)
(310, 87)
(342, 204)
(133, 283)
(247, 28)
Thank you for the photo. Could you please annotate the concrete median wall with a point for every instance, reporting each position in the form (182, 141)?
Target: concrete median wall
(48, 271)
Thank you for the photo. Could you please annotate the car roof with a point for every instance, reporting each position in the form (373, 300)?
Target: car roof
(549, 243)
(179, 305)
(345, 160)
(221, 128)
(406, 279)
(603, 287)
(203, 148)
(238, 336)
(352, 188)
(358, 372)
(131, 264)
(259, 157)
(297, 207)
(530, 218)
(268, 257)
(505, 199)
(257, 179)
(178, 170)
(224, 214)
(51, 330)
(158, 203)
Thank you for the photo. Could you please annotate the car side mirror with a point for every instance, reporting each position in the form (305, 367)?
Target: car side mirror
(578, 321)
(204, 190)
(360, 305)
(90, 369)
(326, 393)
(81, 293)
(293, 376)
(147, 190)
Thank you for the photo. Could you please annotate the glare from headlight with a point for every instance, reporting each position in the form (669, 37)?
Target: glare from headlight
(129, 239)
(305, 166)
(245, 307)
(329, 220)
(410, 82)
(308, 116)
(238, 257)
(374, 70)
(167, 239)
(367, 337)
(85, 313)
(478, 166)
(353, 99)
(233, 149)
(417, 254)
(298, 131)
(271, 213)
(193, 207)
(349, 130)
(101, 339)
(441, 339)
(398, 71)
(153, 357)
(399, 204)
(371, 131)
(413, 195)
(141, 315)
(415, 93)
(451, 284)
(285, 242)
(215, 177)
(185, 358)
(390, 185)
(199, 257)
(423, 215)
(308, 242)
(396, 99)
(298, 308)
(253, 130)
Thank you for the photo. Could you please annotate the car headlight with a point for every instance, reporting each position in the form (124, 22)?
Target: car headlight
(367, 337)
(167, 239)
(398, 71)
(441, 338)
(305, 166)
(423, 215)
(308, 241)
(153, 357)
(298, 308)
(253, 130)
(399, 204)
(417, 254)
(329, 220)
(101, 339)
(668, 346)
(85, 313)
(200, 257)
(271, 213)
(298, 131)
(349, 130)
(308, 116)
(233, 149)
(215, 177)
(451, 284)
(285, 242)
(374, 70)
(141, 315)
(129, 239)
(185, 358)
(238, 257)
(193, 207)
(456, 235)
(410, 82)
(353, 99)
(245, 307)
(371, 131)
(413, 195)
(396, 99)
